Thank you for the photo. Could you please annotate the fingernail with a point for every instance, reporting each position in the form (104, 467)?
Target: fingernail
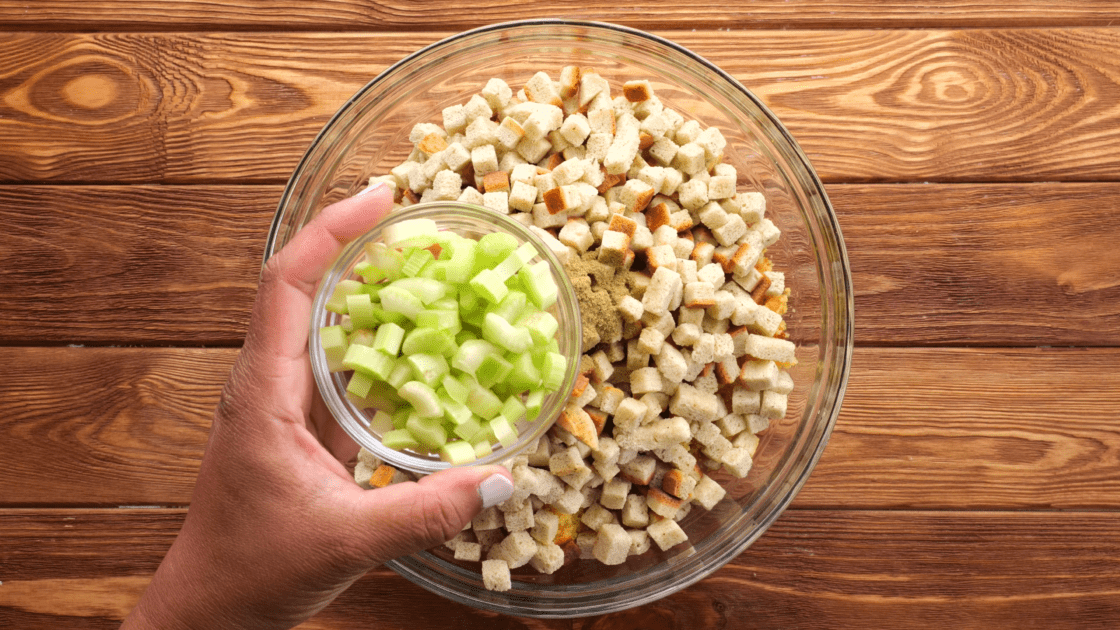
(374, 186)
(495, 489)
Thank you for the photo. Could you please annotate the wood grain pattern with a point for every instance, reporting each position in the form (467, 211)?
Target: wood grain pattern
(920, 428)
(931, 264)
(874, 105)
(812, 569)
(124, 15)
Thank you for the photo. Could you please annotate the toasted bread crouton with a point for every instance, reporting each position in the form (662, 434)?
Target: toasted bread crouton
(666, 533)
(495, 575)
(612, 544)
(569, 81)
(382, 476)
(679, 484)
(637, 91)
(495, 181)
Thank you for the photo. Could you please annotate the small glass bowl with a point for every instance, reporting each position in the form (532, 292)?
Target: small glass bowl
(465, 220)
(369, 135)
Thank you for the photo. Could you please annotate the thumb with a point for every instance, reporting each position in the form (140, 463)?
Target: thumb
(405, 518)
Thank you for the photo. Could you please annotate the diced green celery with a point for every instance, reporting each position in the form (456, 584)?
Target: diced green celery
(489, 286)
(511, 307)
(470, 355)
(399, 440)
(381, 422)
(435, 270)
(447, 320)
(359, 384)
(455, 388)
(468, 429)
(493, 249)
(367, 360)
(533, 404)
(513, 408)
(422, 398)
(456, 412)
(464, 336)
(346, 324)
(427, 341)
(553, 369)
(485, 435)
(504, 431)
(398, 300)
(517, 259)
(457, 453)
(461, 263)
(449, 302)
(382, 396)
(334, 342)
(388, 339)
(389, 261)
(483, 402)
(468, 299)
(493, 370)
(427, 289)
(415, 261)
(482, 449)
(539, 284)
(429, 432)
(363, 267)
(501, 333)
(337, 302)
(409, 229)
(385, 317)
(525, 375)
(400, 417)
(400, 374)
(542, 326)
(362, 337)
(428, 368)
(360, 308)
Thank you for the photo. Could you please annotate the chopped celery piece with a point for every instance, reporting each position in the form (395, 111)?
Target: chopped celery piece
(399, 440)
(539, 284)
(484, 435)
(456, 412)
(410, 229)
(464, 336)
(533, 403)
(415, 261)
(387, 260)
(470, 355)
(513, 409)
(542, 326)
(483, 402)
(428, 368)
(515, 261)
(462, 261)
(388, 339)
(511, 307)
(397, 300)
(447, 320)
(468, 299)
(334, 342)
(381, 422)
(422, 398)
(428, 341)
(447, 303)
(552, 370)
(362, 337)
(368, 361)
(400, 417)
(381, 396)
(435, 270)
(428, 432)
(360, 308)
(503, 430)
(489, 286)
(458, 452)
(400, 374)
(427, 289)
(493, 249)
(482, 449)
(468, 429)
(337, 302)
(346, 324)
(455, 388)
(525, 375)
(493, 370)
(359, 384)
(501, 333)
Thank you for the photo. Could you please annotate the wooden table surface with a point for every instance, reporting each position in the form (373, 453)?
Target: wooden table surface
(972, 152)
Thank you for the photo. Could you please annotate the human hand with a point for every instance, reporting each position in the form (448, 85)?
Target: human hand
(277, 528)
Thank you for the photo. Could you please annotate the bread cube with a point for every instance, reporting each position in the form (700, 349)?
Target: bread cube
(707, 493)
(612, 544)
(495, 575)
(548, 558)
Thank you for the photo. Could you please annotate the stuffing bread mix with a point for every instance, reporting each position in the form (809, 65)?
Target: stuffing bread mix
(685, 351)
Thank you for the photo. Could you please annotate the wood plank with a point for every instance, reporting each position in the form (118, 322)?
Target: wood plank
(932, 428)
(812, 569)
(125, 15)
(931, 264)
(868, 105)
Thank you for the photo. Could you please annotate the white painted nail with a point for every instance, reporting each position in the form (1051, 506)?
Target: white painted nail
(495, 489)
(376, 186)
